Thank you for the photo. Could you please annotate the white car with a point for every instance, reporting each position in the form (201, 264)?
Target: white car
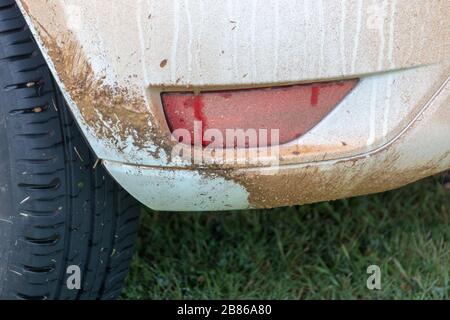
(201, 105)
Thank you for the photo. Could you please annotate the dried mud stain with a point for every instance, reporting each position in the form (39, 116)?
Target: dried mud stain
(311, 184)
(114, 113)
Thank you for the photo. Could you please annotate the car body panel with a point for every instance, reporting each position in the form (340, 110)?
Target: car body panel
(407, 158)
(112, 60)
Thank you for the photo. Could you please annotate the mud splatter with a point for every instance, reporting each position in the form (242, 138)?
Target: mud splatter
(310, 184)
(113, 112)
(163, 63)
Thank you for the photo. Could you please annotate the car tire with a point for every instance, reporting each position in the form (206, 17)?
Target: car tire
(67, 230)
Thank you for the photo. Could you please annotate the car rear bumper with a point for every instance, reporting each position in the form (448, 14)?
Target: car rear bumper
(114, 59)
(421, 149)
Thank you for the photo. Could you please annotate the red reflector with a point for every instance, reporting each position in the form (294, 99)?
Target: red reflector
(293, 110)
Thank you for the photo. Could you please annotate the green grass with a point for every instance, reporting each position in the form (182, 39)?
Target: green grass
(315, 251)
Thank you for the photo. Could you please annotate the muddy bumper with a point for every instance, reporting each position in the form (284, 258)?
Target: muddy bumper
(420, 150)
(113, 60)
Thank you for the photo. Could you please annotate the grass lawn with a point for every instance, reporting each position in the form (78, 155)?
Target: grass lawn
(309, 252)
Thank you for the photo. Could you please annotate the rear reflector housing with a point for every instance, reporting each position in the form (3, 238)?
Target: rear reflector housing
(292, 110)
